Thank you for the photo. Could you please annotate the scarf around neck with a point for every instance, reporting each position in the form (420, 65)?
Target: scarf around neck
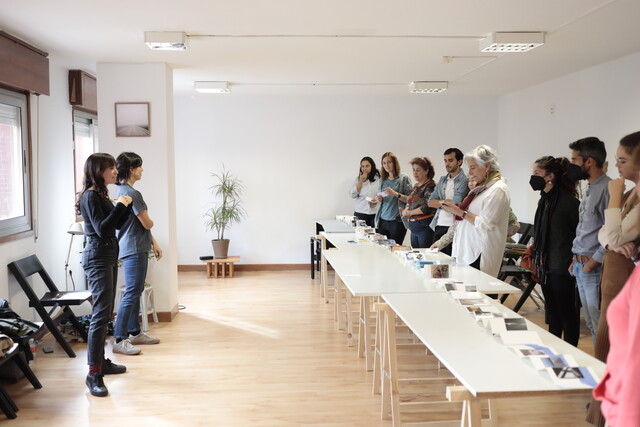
(491, 179)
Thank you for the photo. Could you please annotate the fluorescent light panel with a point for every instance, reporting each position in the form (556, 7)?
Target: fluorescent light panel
(211, 87)
(511, 42)
(428, 87)
(165, 40)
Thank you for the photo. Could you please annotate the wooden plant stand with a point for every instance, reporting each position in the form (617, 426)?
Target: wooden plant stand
(216, 267)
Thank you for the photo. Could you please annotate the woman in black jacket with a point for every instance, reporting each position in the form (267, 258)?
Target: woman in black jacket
(100, 259)
(554, 230)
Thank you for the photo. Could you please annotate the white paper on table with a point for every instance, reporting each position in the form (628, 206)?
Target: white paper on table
(533, 350)
(462, 294)
(520, 337)
(557, 361)
(506, 324)
(573, 376)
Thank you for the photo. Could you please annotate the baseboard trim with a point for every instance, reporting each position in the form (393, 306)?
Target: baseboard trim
(249, 267)
(164, 316)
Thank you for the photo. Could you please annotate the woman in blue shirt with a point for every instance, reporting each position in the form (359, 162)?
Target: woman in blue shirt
(135, 241)
(397, 186)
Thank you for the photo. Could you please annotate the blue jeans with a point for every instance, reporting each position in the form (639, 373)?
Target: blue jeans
(100, 263)
(135, 272)
(588, 285)
(421, 233)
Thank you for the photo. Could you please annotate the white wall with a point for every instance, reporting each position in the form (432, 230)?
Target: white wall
(52, 162)
(151, 83)
(602, 101)
(298, 155)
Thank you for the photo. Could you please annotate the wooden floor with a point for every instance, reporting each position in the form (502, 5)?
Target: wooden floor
(260, 349)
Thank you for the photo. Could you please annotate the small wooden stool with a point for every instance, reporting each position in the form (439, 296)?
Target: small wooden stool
(214, 263)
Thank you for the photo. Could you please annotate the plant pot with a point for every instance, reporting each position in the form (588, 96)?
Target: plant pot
(220, 248)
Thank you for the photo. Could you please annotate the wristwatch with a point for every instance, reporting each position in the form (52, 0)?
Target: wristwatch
(464, 214)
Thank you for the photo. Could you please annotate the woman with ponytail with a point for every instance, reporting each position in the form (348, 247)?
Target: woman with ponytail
(555, 225)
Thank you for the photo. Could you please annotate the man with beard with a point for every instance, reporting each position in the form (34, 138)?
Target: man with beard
(587, 162)
(451, 188)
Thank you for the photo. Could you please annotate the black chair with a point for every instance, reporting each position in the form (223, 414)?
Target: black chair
(522, 279)
(56, 299)
(316, 255)
(6, 403)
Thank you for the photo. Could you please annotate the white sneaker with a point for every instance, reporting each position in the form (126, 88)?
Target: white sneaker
(143, 338)
(125, 347)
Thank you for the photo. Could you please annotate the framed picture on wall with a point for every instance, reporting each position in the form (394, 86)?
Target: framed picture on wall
(132, 119)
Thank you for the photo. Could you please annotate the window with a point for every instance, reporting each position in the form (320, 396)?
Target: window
(85, 137)
(15, 189)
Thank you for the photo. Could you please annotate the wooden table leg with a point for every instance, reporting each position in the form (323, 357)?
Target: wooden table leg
(223, 265)
(366, 315)
(378, 351)
(215, 270)
(349, 317)
(230, 269)
(337, 300)
(209, 272)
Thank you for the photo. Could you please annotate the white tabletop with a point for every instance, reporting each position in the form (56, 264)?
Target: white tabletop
(335, 226)
(341, 240)
(372, 270)
(477, 358)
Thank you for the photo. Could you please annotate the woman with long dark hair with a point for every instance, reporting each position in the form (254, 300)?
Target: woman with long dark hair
(135, 241)
(365, 189)
(100, 259)
(555, 225)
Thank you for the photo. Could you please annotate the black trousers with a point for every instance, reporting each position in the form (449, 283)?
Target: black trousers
(393, 230)
(441, 231)
(560, 304)
(369, 219)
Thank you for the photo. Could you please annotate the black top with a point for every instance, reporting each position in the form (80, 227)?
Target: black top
(561, 231)
(101, 218)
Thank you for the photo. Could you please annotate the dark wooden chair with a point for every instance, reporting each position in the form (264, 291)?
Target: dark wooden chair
(56, 299)
(7, 404)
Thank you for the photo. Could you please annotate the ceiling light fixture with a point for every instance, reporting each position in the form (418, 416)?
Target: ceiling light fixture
(211, 87)
(511, 42)
(165, 40)
(428, 87)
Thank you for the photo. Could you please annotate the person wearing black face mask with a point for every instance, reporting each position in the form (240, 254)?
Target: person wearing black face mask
(589, 154)
(554, 230)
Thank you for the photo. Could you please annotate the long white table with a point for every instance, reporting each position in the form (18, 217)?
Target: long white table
(333, 226)
(480, 361)
(368, 270)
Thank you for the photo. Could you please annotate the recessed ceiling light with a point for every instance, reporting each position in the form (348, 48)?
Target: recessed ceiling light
(165, 40)
(511, 42)
(211, 87)
(428, 87)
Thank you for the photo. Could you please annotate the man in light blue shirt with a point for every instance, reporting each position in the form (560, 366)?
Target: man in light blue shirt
(587, 162)
(451, 187)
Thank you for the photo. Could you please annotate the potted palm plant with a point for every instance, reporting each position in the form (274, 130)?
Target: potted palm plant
(226, 211)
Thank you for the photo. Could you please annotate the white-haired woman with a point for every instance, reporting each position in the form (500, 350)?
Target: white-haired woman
(484, 214)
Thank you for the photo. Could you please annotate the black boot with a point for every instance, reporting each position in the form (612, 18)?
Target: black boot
(96, 385)
(110, 368)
